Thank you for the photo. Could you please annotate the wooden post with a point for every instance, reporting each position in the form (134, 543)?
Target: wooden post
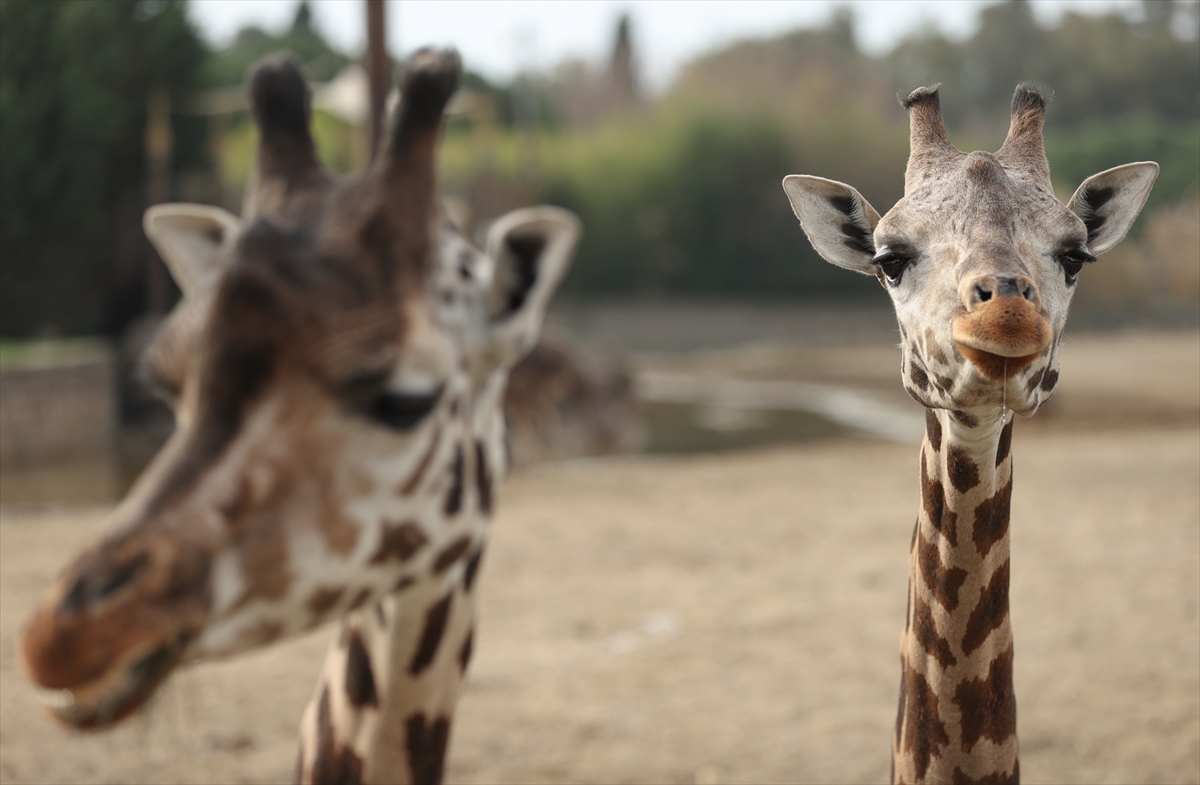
(379, 70)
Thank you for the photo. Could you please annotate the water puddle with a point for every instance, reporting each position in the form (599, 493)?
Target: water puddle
(686, 413)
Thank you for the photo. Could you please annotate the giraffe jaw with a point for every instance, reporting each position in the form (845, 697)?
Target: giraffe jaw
(116, 695)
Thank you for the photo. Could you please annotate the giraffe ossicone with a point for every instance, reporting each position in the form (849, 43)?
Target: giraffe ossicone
(980, 260)
(337, 368)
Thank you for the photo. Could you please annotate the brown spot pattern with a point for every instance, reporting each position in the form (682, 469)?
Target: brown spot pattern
(933, 499)
(265, 632)
(1005, 445)
(431, 636)
(964, 419)
(454, 496)
(324, 599)
(942, 582)
(472, 569)
(464, 653)
(960, 777)
(360, 598)
(927, 635)
(990, 612)
(933, 430)
(964, 474)
(334, 763)
(1049, 379)
(450, 554)
(403, 583)
(265, 562)
(399, 542)
(918, 376)
(991, 519)
(932, 348)
(425, 743)
(924, 732)
(483, 479)
(360, 679)
(414, 479)
(340, 533)
(989, 707)
(1035, 380)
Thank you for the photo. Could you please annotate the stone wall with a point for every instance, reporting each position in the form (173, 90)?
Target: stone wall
(56, 414)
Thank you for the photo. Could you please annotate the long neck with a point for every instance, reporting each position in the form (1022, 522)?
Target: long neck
(385, 700)
(957, 718)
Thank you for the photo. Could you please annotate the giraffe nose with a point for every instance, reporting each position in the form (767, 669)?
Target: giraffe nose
(983, 288)
(100, 580)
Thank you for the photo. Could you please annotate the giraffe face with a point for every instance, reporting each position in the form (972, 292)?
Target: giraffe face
(336, 372)
(979, 257)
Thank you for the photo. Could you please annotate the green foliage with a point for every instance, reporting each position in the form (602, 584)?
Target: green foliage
(1102, 67)
(1076, 155)
(689, 202)
(75, 80)
(687, 198)
(321, 62)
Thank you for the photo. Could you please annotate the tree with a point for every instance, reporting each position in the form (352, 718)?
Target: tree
(75, 81)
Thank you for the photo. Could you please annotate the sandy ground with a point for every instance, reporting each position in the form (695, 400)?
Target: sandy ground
(735, 617)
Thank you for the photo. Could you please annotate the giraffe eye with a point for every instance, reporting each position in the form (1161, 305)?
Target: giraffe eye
(402, 411)
(892, 264)
(1072, 261)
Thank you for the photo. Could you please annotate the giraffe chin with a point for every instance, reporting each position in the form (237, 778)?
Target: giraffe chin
(116, 695)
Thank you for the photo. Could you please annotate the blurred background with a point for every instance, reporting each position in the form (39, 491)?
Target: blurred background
(668, 133)
(696, 321)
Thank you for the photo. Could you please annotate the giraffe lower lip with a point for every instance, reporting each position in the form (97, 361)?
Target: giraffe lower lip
(134, 687)
(996, 367)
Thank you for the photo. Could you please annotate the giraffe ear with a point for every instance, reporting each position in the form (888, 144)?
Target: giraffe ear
(530, 250)
(839, 222)
(192, 239)
(1109, 202)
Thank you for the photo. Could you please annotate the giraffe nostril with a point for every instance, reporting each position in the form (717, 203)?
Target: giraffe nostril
(95, 585)
(982, 294)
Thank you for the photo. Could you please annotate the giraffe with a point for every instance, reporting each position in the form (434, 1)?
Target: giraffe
(980, 260)
(336, 367)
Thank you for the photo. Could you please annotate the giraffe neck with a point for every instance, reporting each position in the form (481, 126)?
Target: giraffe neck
(957, 718)
(385, 699)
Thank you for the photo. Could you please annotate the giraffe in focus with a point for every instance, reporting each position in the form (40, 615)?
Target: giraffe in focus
(337, 368)
(980, 260)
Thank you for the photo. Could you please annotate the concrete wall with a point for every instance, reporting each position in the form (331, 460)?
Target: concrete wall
(57, 414)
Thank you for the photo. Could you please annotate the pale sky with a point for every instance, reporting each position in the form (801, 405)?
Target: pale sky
(501, 38)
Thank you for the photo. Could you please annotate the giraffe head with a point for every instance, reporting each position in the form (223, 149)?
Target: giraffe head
(979, 257)
(336, 370)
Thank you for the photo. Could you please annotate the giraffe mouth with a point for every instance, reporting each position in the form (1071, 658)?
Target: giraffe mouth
(1002, 336)
(115, 696)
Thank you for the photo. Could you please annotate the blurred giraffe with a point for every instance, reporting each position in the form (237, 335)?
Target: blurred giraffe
(337, 370)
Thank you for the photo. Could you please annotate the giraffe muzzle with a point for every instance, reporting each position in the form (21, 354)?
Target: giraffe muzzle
(111, 699)
(1002, 335)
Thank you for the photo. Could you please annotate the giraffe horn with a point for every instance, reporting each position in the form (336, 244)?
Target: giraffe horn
(280, 100)
(430, 79)
(928, 143)
(1024, 149)
(408, 168)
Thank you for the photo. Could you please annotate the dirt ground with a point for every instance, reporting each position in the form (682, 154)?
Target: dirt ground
(734, 617)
